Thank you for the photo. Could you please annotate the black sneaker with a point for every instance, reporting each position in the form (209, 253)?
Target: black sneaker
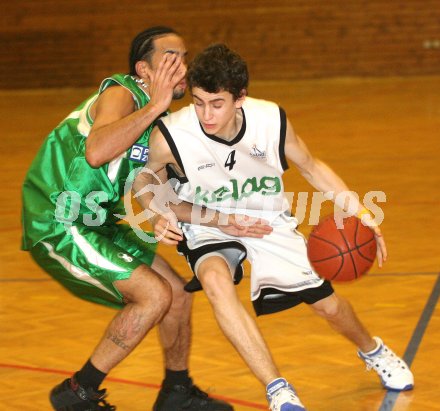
(188, 398)
(70, 396)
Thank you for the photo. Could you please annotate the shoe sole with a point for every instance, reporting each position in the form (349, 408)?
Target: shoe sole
(405, 388)
(58, 408)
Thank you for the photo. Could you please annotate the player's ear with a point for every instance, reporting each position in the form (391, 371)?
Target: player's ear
(143, 70)
(239, 102)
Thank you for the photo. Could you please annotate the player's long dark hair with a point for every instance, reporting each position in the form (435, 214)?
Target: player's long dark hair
(142, 45)
(218, 68)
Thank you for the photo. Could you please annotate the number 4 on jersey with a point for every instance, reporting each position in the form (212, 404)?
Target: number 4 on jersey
(230, 161)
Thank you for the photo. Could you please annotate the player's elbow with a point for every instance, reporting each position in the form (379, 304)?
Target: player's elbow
(93, 157)
(93, 160)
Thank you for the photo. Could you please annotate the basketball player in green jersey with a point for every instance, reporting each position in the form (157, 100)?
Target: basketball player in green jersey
(71, 194)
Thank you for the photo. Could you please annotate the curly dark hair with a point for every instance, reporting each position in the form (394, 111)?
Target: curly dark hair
(218, 68)
(142, 46)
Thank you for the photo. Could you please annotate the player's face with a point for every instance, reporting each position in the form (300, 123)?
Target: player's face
(217, 112)
(173, 44)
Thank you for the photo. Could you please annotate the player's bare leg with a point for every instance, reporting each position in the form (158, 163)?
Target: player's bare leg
(175, 328)
(242, 331)
(235, 322)
(175, 335)
(148, 298)
(392, 370)
(340, 315)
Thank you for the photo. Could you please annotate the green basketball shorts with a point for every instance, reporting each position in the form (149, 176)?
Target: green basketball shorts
(88, 261)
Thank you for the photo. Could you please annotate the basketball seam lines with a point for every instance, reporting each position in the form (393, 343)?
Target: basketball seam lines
(341, 253)
(348, 248)
(362, 255)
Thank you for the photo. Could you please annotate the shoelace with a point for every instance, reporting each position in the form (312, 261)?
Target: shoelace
(197, 392)
(102, 403)
(105, 406)
(276, 397)
(385, 360)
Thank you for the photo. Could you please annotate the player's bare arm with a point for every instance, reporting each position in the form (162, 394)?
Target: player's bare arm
(324, 179)
(116, 123)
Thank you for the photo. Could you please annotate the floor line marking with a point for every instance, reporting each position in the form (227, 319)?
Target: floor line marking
(244, 403)
(407, 274)
(414, 343)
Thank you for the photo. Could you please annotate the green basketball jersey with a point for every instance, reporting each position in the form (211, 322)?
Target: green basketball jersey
(61, 186)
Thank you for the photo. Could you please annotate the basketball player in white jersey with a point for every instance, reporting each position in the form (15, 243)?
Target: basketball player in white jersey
(228, 152)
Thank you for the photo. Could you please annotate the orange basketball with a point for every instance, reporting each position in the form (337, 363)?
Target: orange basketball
(343, 254)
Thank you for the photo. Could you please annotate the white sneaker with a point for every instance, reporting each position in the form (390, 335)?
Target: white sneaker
(392, 370)
(282, 396)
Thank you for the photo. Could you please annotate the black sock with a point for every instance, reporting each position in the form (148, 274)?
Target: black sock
(90, 376)
(176, 378)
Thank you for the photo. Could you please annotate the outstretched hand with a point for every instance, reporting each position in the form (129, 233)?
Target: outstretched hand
(239, 225)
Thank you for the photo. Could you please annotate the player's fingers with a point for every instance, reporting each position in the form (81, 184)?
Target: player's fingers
(167, 236)
(383, 249)
(164, 66)
(179, 75)
(379, 257)
(251, 235)
(248, 221)
(165, 227)
(159, 232)
(245, 232)
(263, 230)
(177, 237)
(167, 241)
(182, 69)
(160, 68)
(261, 221)
(173, 226)
(173, 68)
(161, 225)
(172, 235)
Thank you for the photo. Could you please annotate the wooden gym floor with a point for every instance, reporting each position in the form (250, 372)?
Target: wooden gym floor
(379, 134)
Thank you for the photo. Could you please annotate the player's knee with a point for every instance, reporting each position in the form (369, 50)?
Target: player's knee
(149, 290)
(217, 282)
(182, 300)
(329, 308)
(161, 296)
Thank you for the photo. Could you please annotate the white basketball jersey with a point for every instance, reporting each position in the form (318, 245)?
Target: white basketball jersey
(238, 176)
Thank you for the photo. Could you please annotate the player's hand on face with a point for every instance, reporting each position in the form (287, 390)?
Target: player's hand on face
(165, 229)
(169, 73)
(240, 225)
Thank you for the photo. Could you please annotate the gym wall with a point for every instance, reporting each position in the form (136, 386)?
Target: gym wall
(60, 43)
